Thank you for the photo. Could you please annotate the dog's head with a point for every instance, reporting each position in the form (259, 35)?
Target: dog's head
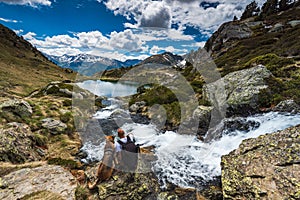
(110, 138)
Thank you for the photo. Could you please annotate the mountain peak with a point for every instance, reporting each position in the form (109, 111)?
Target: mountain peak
(165, 58)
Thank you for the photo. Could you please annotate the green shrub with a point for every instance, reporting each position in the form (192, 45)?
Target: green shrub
(40, 140)
(66, 117)
(81, 193)
(273, 62)
(67, 102)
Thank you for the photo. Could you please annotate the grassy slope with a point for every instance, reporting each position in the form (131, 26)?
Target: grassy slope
(285, 43)
(23, 68)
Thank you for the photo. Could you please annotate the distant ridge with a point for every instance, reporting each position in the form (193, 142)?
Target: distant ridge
(166, 58)
(90, 64)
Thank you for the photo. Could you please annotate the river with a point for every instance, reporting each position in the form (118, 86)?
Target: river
(182, 159)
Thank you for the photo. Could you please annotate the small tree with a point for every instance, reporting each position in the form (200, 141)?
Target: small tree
(251, 10)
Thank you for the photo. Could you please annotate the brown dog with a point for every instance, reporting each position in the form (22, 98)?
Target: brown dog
(106, 166)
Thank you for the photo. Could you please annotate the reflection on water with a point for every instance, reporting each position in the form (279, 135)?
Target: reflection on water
(109, 89)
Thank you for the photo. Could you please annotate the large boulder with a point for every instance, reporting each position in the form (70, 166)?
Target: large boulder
(267, 167)
(16, 144)
(15, 110)
(45, 182)
(62, 89)
(238, 91)
(54, 126)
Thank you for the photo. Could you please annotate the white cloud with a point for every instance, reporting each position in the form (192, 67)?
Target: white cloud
(32, 3)
(8, 20)
(18, 32)
(29, 36)
(85, 42)
(156, 50)
(60, 51)
(195, 45)
(181, 12)
(126, 40)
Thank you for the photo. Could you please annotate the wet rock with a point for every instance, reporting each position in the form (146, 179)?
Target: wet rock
(98, 101)
(140, 118)
(16, 144)
(239, 124)
(15, 110)
(54, 126)
(238, 91)
(45, 182)
(267, 167)
(288, 106)
(137, 107)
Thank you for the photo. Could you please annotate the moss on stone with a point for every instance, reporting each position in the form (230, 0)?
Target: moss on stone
(64, 162)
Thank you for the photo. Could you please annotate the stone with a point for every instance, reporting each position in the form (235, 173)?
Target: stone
(277, 28)
(267, 167)
(15, 110)
(16, 145)
(137, 107)
(289, 106)
(54, 126)
(294, 23)
(238, 91)
(52, 180)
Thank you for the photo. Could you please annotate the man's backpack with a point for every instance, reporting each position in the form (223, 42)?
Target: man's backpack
(130, 145)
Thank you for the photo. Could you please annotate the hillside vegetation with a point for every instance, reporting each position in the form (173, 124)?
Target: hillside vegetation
(23, 68)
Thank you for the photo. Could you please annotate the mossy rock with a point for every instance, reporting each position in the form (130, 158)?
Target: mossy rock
(71, 164)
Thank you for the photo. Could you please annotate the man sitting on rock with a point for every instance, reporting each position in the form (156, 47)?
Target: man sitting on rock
(126, 152)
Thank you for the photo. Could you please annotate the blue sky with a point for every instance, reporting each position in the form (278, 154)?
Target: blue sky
(120, 29)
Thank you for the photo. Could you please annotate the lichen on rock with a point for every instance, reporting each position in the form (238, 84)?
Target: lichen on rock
(238, 91)
(16, 144)
(53, 182)
(267, 167)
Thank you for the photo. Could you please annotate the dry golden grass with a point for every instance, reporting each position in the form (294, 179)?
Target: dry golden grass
(23, 68)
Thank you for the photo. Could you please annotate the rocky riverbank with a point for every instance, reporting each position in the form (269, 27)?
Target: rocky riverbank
(267, 167)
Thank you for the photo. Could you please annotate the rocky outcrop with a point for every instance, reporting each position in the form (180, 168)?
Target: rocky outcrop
(54, 126)
(220, 40)
(45, 182)
(238, 91)
(58, 88)
(289, 106)
(138, 186)
(267, 167)
(16, 144)
(15, 110)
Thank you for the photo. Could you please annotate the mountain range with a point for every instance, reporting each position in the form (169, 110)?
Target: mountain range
(90, 64)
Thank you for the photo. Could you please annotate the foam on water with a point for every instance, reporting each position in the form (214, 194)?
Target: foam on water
(182, 159)
(187, 164)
